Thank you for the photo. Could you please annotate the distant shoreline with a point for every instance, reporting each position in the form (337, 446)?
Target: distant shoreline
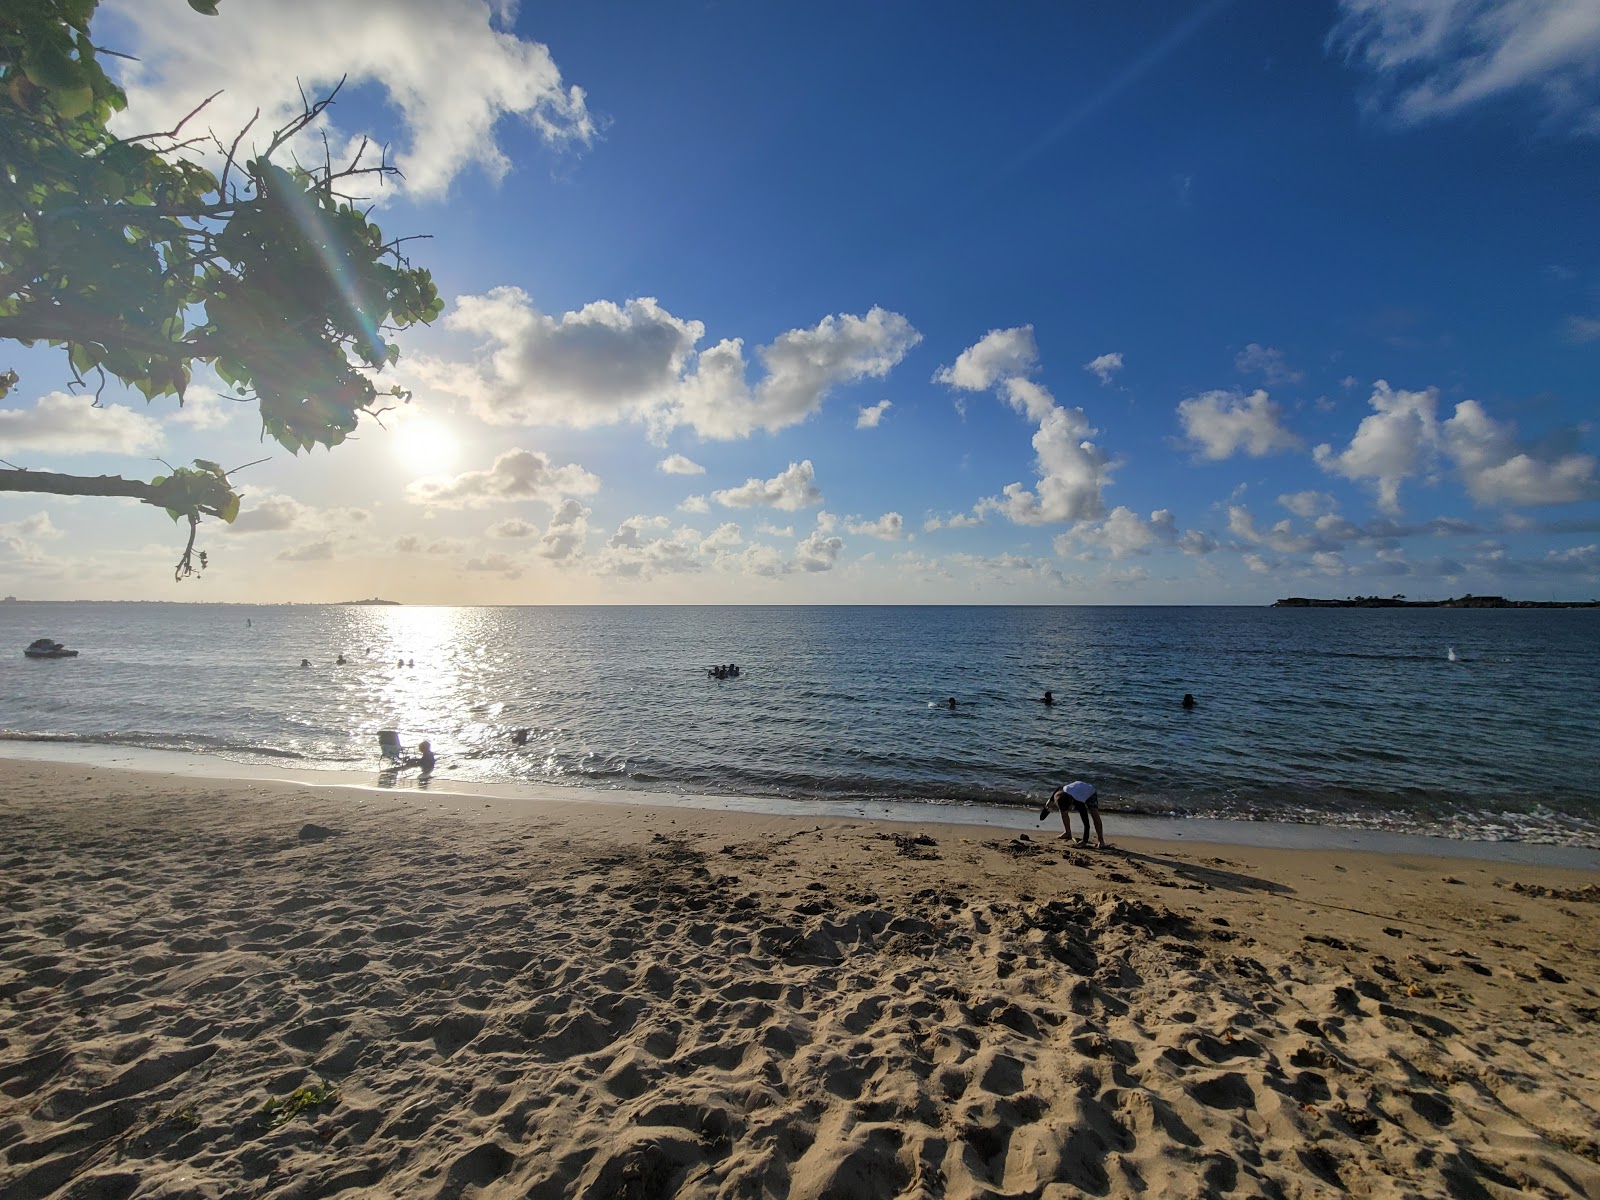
(1402, 602)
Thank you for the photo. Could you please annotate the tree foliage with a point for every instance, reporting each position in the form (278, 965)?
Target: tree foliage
(139, 262)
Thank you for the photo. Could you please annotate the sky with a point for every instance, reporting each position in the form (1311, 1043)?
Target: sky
(1034, 303)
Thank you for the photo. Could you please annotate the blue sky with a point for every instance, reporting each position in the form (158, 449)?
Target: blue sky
(1025, 303)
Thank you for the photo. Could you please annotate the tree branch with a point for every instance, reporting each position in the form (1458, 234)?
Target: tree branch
(170, 494)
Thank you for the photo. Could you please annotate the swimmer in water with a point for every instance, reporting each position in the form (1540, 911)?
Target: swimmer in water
(1047, 698)
(1188, 700)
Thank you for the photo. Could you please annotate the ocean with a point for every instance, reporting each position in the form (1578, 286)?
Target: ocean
(1478, 724)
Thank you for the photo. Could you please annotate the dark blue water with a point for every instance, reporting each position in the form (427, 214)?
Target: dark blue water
(1470, 723)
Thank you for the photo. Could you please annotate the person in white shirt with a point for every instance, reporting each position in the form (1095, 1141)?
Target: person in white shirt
(1083, 797)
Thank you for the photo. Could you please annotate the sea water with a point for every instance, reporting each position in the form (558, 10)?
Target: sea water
(1467, 723)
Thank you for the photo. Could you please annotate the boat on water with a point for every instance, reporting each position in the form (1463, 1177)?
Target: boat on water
(45, 648)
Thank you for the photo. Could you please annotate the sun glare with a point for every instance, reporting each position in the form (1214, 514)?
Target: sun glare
(425, 447)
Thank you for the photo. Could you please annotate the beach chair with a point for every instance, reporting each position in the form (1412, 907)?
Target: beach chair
(389, 745)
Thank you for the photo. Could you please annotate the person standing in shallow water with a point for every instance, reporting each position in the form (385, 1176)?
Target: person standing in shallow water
(1083, 797)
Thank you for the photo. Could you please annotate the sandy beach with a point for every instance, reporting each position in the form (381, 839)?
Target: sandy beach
(244, 988)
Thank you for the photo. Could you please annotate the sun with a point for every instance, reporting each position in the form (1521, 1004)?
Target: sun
(425, 447)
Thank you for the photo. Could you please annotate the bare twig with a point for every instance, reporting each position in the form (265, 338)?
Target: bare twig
(228, 162)
(176, 129)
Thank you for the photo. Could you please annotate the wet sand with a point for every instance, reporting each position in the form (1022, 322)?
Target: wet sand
(491, 998)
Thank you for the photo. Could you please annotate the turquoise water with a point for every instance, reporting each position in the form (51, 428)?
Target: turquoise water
(1469, 723)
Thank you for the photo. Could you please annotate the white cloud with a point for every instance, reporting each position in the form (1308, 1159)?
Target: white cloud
(724, 539)
(1123, 533)
(608, 364)
(270, 514)
(889, 527)
(818, 552)
(792, 488)
(565, 535)
(677, 464)
(19, 540)
(1432, 58)
(450, 70)
(516, 475)
(321, 550)
(695, 504)
(1495, 470)
(265, 512)
(871, 416)
(495, 564)
(1104, 367)
(599, 365)
(1583, 329)
(632, 553)
(1222, 424)
(62, 424)
(802, 366)
(1307, 504)
(411, 544)
(512, 528)
(1389, 446)
(1256, 359)
(999, 354)
(767, 529)
(1073, 473)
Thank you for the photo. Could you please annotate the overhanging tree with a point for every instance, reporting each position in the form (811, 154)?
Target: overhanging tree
(139, 263)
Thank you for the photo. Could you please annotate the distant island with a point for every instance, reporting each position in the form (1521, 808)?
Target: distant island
(1468, 601)
(374, 600)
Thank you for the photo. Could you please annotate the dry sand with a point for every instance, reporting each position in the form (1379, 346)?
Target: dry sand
(603, 1001)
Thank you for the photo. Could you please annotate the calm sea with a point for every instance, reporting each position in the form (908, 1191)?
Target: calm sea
(1467, 723)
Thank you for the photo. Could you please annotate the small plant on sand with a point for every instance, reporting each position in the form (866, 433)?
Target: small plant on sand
(280, 1112)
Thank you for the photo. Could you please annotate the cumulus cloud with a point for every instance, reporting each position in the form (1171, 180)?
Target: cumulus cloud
(1307, 504)
(1390, 445)
(1256, 359)
(62, 424)
(317, 551)
(513, 528)
(677, 464)
(599, 365)
(790, 489)
(1495, 470)
(1222, 424)
(452, 71)
(1104, 367)
(411, 544)
(1073, 471)
(515, 475)
(636, 362)
(818, 552)
(889, 527)
(695, 504)
(999, 354)
(495, 564)
(871, 416)
(724, 539)
(268, 513)
(1124, 533)
(19, 540)
(643, 548)
(564, 537)
(1430, 59)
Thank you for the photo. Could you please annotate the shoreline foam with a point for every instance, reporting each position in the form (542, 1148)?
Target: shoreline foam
(1268, 834)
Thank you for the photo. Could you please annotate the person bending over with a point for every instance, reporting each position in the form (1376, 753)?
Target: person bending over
(1083, 797)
